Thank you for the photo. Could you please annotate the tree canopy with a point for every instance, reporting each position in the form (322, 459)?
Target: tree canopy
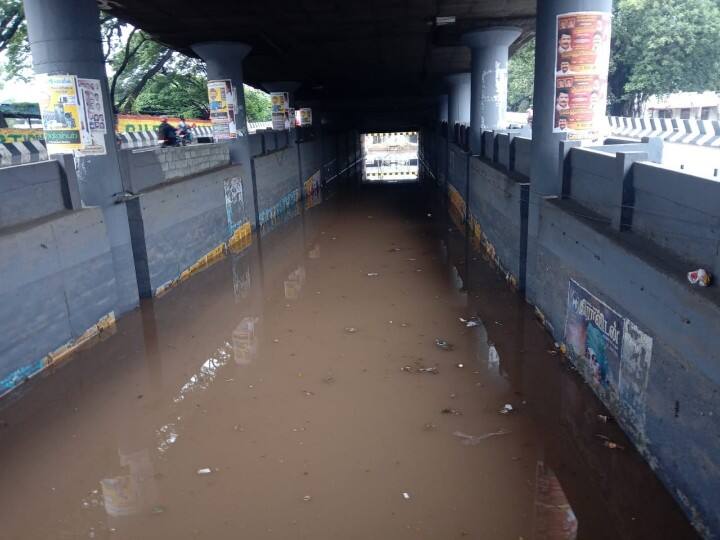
(144, 75)
(658, 47)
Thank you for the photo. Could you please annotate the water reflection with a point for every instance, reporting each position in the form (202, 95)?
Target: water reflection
(294, 283)
(554, 518)
(132, 493)
(245, 341)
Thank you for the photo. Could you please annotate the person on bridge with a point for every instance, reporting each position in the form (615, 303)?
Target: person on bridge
(166, 133)
(184, 130)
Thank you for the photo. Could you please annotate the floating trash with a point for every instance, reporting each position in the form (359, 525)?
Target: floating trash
(474, 440)
(406, 495)
(700, 277)
(429, 427)
(206, 470)
(454, 412)
(507, 409)
(307, 498)
(470, 323)
(350, 330)
(373, 274)
(444, 345)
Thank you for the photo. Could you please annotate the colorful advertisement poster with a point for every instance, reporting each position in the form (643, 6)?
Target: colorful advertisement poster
(594, 331)
(61, 113)
(222, 109)
(306, 116)
(93, 111)
(581, 71)
(280, 102)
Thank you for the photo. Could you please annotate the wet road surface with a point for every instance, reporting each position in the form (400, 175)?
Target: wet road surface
(295, 390)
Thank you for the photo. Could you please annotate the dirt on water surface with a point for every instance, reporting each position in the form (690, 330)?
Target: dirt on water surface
(322, 385)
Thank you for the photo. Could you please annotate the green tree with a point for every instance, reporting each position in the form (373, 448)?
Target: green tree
(660, 47)
(257, 105)
(521, 77)
(144, 76)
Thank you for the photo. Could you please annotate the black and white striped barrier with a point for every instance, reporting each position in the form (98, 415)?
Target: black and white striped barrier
(18, 153)
(144, 139)
(675, 130)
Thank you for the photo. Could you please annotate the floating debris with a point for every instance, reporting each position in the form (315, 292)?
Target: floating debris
(158, 509)
(406, 495)
(350, 330)
(429, 427)
(473, 440)
(419, 369)
(454, 412)
(700, 277)
(460, 365)
(329, 379)
(607, 443)
(507, 409)
(394, 250)
(307, 498)
(470, 323)
(373, 274)
(444, 345)
(605, 419)
(308, 393)
(206, 470)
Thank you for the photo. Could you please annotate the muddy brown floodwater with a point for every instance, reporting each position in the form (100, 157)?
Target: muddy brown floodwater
(296, 391)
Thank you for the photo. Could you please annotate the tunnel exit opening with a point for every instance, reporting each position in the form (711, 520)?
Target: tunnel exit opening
(390, 157)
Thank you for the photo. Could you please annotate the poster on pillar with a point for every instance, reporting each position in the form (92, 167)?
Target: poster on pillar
(222, 109)
(61, 112)
(93, 110)
(581, 72)
(280, 110)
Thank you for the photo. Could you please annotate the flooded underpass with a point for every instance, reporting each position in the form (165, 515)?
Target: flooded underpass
(322, 385)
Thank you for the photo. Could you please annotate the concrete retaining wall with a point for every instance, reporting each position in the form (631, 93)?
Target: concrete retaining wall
(56, 283)
(624, 234)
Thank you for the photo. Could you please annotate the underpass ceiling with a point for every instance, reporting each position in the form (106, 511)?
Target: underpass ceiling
(361, 49)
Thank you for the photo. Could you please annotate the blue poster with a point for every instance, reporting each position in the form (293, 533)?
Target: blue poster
(594, 331)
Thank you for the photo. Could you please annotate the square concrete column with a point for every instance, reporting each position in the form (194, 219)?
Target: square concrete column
(65, 38)
(224, 61)
(488, 103)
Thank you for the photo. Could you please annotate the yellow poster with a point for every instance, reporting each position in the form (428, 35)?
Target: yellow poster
(61, 113)
(12, 135)
(222, 109)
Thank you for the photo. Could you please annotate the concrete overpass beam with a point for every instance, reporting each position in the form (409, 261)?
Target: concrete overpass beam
(224, 61)
(488, 102)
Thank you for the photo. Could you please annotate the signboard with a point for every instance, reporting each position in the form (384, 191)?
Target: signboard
(280, 102)
(222, 109)
(12, 135)
(581, 71)
(61, 113)
(93, 110)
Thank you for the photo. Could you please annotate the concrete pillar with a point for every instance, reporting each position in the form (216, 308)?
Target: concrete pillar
(64, 38)
(224, 61)
(546, 180)
(545, 143)
(458, 100)
(488, 101)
